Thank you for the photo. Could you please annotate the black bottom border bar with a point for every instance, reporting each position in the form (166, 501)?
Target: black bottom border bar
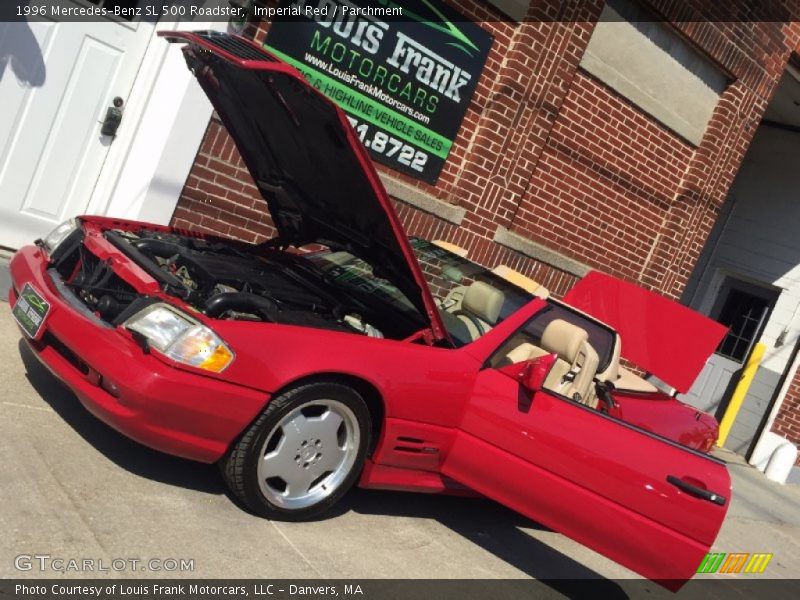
(389, 589)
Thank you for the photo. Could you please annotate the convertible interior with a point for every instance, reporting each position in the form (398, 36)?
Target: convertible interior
(588, 351)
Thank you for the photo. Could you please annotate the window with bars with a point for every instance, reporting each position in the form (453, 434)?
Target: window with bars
(743, 308)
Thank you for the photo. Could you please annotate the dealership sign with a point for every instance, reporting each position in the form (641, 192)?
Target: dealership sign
(403, 73)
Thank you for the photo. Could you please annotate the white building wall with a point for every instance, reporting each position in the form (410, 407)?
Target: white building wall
(761, 242)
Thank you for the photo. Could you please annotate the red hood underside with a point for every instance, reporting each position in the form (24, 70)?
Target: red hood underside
(318, 184)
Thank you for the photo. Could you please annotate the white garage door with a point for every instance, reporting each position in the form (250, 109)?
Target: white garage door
(57, 81)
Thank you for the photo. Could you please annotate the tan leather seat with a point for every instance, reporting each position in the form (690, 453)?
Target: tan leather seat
(480, 308)
(577, 360)
(576, 365)
(628, 380)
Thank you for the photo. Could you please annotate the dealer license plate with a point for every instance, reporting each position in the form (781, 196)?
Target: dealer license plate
(30, 311)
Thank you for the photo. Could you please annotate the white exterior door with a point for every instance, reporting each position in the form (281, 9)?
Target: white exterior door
(744, 308)
(57, 81)
(713, 386)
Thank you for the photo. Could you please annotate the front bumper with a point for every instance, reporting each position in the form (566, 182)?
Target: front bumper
(175, 411)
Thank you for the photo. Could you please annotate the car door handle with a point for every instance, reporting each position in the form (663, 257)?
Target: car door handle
(696, 491)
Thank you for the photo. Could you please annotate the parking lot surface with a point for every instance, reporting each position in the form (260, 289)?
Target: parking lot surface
(74, 488)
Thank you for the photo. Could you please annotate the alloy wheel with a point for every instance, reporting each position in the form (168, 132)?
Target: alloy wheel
(308, 454)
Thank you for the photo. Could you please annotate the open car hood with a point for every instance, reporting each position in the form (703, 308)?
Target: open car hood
(315, 176)
(671, 341)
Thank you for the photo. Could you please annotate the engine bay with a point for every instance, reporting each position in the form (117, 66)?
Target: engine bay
(222, 280)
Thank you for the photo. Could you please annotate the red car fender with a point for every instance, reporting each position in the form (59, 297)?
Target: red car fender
(668, 417)
(414, 380)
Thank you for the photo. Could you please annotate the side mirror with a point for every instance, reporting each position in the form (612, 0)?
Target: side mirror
(532, 374)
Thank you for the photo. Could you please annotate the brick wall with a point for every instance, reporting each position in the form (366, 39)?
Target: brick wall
(220, 196)
(584, 177)
(555, 156)
(787, 423)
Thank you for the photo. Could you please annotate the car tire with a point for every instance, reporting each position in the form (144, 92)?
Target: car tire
(313, 436)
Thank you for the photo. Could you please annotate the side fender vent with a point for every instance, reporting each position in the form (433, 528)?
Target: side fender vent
(413, 445)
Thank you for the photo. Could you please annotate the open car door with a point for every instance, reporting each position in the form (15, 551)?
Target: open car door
(643, 501)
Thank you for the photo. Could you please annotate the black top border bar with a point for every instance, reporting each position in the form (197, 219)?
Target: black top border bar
(485, 11)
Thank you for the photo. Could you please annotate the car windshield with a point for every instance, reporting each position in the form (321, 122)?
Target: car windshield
(471, 299)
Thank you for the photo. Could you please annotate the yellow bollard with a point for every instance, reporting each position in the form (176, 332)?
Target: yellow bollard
(748, 373)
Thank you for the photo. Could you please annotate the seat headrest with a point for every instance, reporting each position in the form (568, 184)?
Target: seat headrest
(483, 301)
(565, 339)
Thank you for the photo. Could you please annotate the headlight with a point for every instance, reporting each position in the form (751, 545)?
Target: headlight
(59, 234)
(182, 339)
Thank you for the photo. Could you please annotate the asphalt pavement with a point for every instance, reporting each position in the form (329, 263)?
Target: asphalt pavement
(72, 487)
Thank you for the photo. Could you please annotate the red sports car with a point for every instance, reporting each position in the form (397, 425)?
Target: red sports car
(301, 373)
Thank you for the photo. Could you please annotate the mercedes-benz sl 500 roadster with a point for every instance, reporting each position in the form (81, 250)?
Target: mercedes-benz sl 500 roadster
(341, 351)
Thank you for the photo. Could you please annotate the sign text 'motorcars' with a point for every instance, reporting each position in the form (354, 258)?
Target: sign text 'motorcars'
(404, 74)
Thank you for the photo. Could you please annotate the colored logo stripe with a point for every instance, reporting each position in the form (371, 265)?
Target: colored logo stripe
(711, 562)
(735, 562)
(758, 562)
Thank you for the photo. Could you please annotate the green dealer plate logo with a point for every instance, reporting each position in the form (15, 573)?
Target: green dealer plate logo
(30, 311)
